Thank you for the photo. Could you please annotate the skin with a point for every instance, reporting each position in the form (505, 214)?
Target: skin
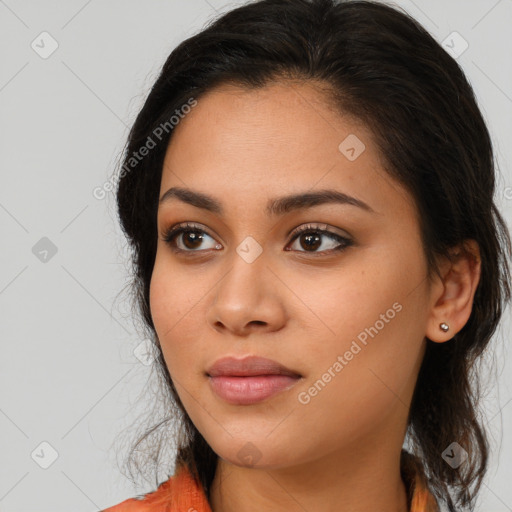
(302, 308)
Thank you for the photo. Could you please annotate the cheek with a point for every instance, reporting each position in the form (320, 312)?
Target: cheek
(163, 303)
(171, 309)
(363, 367)
(373, 301)
(374, 319)
(173, 294)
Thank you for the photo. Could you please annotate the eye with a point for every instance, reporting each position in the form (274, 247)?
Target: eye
(310, 237)
(187, 237)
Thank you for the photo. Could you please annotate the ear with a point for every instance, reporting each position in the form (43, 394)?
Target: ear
(453, 292)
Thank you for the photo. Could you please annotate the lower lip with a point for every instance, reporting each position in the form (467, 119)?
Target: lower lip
(250, 390)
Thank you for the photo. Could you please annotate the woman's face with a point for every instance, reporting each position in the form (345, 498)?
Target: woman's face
(343, 305)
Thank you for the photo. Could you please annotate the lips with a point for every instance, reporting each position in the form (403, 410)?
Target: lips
(250, 380)
(248, 367)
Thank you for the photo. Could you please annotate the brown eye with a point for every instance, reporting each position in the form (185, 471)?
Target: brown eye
(192, 239)
(310, 241)
(311, 238)
(187, 238)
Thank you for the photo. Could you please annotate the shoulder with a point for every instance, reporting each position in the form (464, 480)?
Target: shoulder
(179, 491)
(129, 505)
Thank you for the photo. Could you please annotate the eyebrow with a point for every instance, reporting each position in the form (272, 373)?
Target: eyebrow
(276, 206)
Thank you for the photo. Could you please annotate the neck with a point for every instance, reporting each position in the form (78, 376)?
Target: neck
(355, 480)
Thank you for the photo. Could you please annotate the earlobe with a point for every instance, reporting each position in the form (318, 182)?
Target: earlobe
(453, 295)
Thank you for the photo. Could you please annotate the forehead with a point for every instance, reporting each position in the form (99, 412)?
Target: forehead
(284, 137)
(288, 111)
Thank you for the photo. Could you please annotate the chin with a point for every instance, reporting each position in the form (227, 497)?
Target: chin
(255, 454)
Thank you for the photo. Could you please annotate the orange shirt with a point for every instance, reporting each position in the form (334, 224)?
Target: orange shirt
(182, 494)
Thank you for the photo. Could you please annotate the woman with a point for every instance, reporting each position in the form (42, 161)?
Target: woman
(308, 193)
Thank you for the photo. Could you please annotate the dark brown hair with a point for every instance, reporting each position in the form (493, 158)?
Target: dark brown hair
(382, 67)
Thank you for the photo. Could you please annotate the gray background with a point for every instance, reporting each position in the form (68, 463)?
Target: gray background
(70, 375)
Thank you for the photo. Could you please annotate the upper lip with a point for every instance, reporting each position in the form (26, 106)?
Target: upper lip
(248, 366)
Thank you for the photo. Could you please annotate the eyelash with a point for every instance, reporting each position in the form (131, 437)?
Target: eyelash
(173, 232)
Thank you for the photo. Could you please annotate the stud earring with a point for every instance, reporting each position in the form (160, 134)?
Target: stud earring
(444, 327)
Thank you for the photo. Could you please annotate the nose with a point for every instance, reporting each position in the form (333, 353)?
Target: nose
(249, 297)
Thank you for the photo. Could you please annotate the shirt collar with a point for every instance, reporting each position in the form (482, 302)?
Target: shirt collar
(182, 492)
